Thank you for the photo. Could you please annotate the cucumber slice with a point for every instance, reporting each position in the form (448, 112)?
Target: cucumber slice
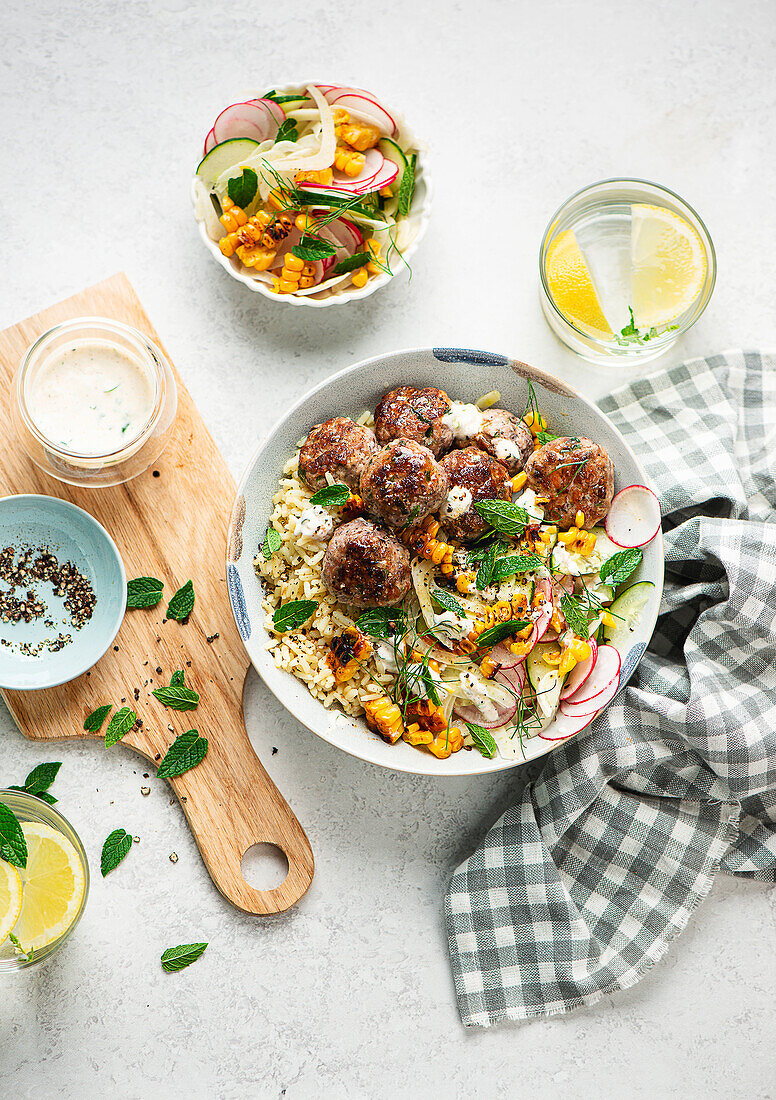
(224, 156)
(627, 608)
(393, 152)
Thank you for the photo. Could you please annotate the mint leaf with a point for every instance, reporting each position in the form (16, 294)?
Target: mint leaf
(485, 571)
(407, 186)
(483, 741)
(13, 846)
(292, 614)
(331, 495)
(381, 622)
(619, 567)
(503, 516)
(313, 248)
(242, 189)
(515, 563)
(448, 601)
(178, 679)
(287, 131)
(545, 437)
(499, 632)
(335, 202)
(184, 753)
(272, 543)
(94, 721)
(575, 616)
(144, 592)
(120, 724)
(114, 850)
(41, 777)
(44, 796)
(178, 958)
(182, 603)
(351, 263)
(177, 697)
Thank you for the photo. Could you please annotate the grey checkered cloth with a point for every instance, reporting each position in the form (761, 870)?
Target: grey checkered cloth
(617, 835)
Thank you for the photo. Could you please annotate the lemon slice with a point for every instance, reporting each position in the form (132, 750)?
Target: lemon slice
(571, 285)
(53, 883)
(668, 265)
(10, 898)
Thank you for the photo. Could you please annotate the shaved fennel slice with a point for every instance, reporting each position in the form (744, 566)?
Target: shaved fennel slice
(423, 582)
(324, 157)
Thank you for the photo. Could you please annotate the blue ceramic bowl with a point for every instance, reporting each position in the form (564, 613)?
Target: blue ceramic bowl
(71, 535)
(465, 375)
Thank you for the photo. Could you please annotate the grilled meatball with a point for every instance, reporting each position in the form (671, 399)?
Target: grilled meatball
(576, 475)
(407, 413)
(506, 437)
(365, 566)
(471, 471)
(403, 483)
(339, 447)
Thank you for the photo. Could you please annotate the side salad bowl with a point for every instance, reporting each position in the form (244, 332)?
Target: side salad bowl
(412, 226)
(465, 375)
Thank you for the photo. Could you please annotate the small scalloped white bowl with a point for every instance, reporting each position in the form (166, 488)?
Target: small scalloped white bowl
(421, 210)
(465, 375)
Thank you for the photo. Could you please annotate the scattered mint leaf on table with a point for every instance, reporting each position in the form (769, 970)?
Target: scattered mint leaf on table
(144, 592)
(178, 679)
(272, 542)
(184, 753)
(331, 495)
(242, 189)
(620, 566)
(499, 632)
(13, 846)
(182, 603)
(177, 697)
(178, 958)
(41, 777)
(293, 614)
(94, 721)
(120, 724)
(351, 263)
(114, 850)
(483, 741)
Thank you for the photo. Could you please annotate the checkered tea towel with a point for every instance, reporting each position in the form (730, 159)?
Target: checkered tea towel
(617, 835)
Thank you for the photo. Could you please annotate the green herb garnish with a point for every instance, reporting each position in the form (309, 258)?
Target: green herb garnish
(620, 566)
(178, 679)
(178, 958)
(27, 955)
(351, 263)
(287, 131)
(575, 616)
(114, 850)
(503, 516)
(39, 780)
(13, 846)
(273, 95)
(144, 592)
(515, 563)
(483, 741)
(120, 724)
(545, 437)
(292, 614)
(448, 601)
(485, 571)
(272, 543)
(382, 622)
(331, 495)
(177, 697)
(242, 189)
(501, 631)
(94, 721)
(407, 186)
(312, 248)
(630, 333)
(182, 603)
(184, 753)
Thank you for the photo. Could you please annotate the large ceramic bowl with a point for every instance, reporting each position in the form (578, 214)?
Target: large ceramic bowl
(465, 375)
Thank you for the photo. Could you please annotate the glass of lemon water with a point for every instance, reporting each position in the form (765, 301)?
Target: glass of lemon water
(40, 904)
(625, 268)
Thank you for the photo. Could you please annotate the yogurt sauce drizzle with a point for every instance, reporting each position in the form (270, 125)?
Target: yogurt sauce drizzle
(91, 397)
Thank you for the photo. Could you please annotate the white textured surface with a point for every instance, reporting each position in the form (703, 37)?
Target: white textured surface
(350, 995)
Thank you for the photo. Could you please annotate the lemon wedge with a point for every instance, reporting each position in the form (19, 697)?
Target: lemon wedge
(571, 285)
(668, 265)
(53, 883)
(10, 898)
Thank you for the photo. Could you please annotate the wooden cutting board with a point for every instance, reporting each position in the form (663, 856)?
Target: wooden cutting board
(174, 527)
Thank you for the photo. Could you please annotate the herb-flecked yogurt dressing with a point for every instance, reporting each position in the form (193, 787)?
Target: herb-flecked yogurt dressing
(91, 397)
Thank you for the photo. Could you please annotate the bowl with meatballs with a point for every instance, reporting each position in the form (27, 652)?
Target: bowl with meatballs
(445, 561)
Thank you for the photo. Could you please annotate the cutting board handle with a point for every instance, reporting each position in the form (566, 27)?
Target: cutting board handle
(231, 804)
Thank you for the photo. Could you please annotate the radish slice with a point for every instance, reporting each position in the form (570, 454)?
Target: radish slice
(210, 141)
(542, 621)
(580, 672)
(251, 119)
(385, 176)
(359, 236)
(514, 677)
(564, 726)
(634, 517)
(368, 110)
(599, 688)
(502, 655)
(473, 714)
(274, 109)
(550, 635)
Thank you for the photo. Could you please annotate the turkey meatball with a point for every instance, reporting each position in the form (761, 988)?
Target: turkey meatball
(506, 437)
(474, 475)
(403, 483)
(575, 475)
(365, 566)
(339, 447)
(407, 413)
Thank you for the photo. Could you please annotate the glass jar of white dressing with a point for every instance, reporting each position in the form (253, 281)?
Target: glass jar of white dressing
(93, 402)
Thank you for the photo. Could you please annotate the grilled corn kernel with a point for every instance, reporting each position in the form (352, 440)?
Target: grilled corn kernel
(446, 743)
(556, 622)
(256, 257)
(340, 116)
(347, 160)
(567, 537)
(519, 648)
(579, 519)
(358, 135)
(384, 716)
(278, 199)
(463, 582)
(293, 263)
(552, 657)
(360, 277)
(590, 542)
(386, 192)
(518, 481)
(535, 422)
(608, 619)
(414, 735)
(304, 223)
(488, 666)
(322, 175)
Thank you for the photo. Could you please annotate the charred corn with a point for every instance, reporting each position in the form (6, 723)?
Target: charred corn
(384, 717)
(446, 743)
(358, 135)
(518, 481)
(421, 539)
(427, 715)
(256, 256)
(349, 161)
(323, 176)
(414, 735)
(347, 651)
(373, 247)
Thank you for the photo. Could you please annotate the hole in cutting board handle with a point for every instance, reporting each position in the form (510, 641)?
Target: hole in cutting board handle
(264, 866)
